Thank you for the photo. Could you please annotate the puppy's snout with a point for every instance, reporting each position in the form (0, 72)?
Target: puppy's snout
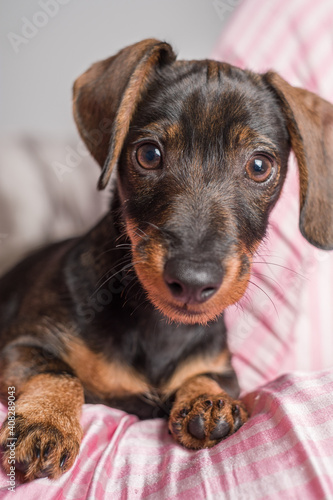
(192, 282)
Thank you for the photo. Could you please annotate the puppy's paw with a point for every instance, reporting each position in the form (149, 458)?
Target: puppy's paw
(205, 420)
(41, 444)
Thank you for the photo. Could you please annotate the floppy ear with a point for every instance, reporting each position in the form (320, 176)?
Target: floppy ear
(106, 96)
(310, 125)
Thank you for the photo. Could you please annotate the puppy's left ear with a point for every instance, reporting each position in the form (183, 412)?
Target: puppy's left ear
(106, 97)
(309, 120)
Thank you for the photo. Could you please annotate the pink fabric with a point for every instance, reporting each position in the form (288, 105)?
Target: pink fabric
(285, 450)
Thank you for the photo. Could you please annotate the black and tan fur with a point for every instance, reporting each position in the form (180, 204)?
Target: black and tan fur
(101, 318)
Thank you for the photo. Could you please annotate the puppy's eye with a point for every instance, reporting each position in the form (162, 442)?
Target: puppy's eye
(149, 156)
(259, 168)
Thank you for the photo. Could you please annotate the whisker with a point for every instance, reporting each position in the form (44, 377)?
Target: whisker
(139, 305)
(120, 262)
(126, 290)
(274, 255)
(257, 286)
(160, 229)
(138, 235)
(131, 264)
(136, 298)
(123, 234)
(280, 265)
(246, 297)
(142, 231)
(260, 276)
(153, 225)
(124, 246)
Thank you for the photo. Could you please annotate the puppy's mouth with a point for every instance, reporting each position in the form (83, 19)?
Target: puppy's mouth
(186, 314)
(189, 290)
(192, 300)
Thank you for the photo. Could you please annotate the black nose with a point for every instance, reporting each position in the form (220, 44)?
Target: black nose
(192, 282)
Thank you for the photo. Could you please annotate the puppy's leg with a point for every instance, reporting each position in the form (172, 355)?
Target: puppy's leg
(203, 414)
(44, 424)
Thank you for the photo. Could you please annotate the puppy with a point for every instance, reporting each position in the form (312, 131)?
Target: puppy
(131, 314)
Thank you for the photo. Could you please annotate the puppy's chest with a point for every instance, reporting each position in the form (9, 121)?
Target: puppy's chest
(150, 357)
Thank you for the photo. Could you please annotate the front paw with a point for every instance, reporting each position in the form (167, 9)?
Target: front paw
(41, 444)
(206, 420)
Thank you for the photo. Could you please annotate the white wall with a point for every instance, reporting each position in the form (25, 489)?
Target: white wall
(39, 68)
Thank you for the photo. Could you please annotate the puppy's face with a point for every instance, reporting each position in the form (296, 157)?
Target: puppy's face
(201, 149)
(201, 168)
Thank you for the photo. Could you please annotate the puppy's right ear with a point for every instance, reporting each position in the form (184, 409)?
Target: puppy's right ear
(106, 96)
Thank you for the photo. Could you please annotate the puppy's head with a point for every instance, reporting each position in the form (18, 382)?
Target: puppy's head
(201, 149)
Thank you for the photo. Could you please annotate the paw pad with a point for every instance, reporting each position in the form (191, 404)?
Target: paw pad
(206, 421)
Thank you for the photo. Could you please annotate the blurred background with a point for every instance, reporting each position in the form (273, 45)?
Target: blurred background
(46, 44)
(47, 185)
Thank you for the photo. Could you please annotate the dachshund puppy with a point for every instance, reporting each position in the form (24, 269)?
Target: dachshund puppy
(131, 314)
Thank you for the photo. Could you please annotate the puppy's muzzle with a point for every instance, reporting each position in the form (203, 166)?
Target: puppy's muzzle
(192, 282)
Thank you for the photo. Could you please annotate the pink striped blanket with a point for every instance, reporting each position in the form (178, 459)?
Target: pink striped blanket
(281, 334)
(283, 452)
